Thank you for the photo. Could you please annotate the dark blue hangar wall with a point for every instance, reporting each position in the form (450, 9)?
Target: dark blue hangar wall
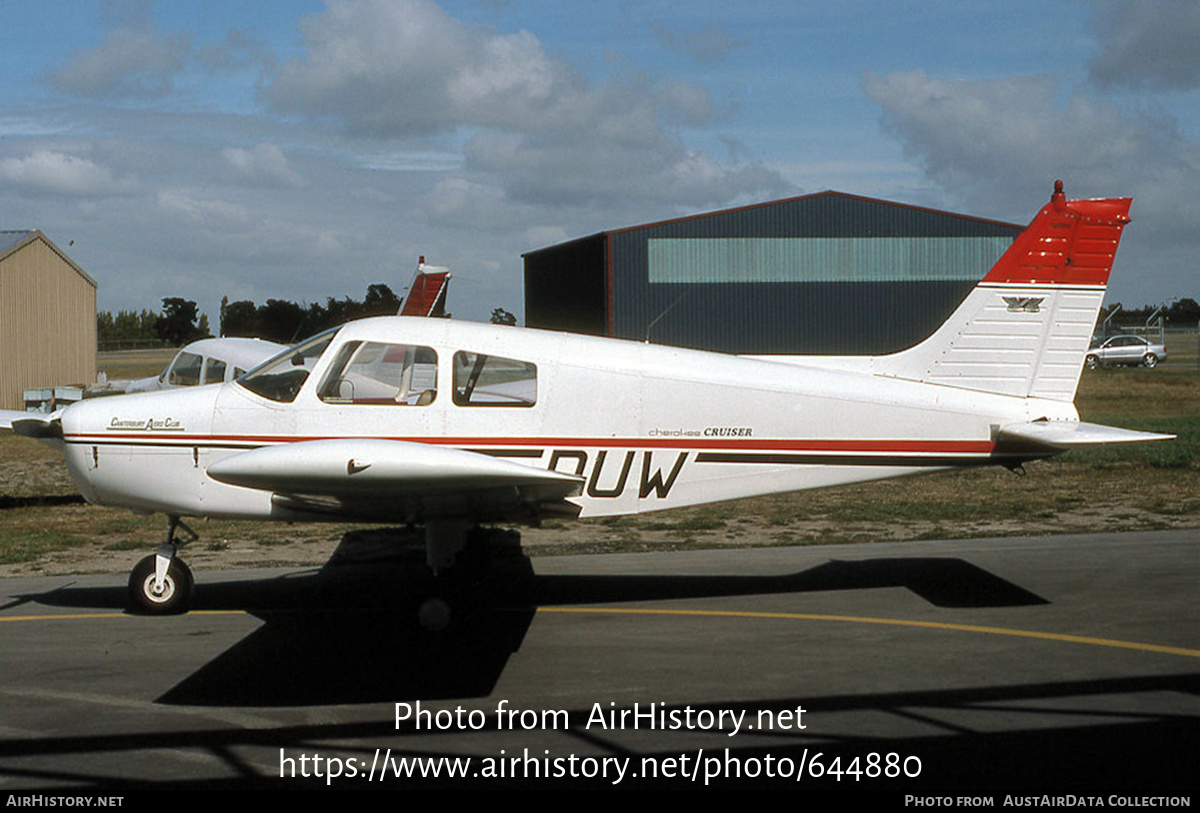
(824, 273)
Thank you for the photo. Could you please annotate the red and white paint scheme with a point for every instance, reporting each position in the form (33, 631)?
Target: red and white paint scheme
(450, 424)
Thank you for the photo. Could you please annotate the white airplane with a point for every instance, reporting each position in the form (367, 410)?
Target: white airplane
(449, 424)
(216, 360)
(208, 361)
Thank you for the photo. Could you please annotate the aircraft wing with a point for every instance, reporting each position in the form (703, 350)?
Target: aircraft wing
(1059, 436)
(374, 479)
(40, 425)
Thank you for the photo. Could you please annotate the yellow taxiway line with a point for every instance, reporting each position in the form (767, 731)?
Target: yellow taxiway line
(896, 622)
(848, 619)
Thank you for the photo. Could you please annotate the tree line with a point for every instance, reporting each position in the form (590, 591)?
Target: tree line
(286, 322)
(1185, 311)
(179, 318)
(278, 320)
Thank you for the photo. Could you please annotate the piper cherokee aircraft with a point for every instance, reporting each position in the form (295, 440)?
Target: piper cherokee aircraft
(449, 425)
(208, 361)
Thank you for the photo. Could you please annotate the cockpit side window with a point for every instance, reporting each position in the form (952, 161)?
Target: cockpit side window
(280, 377)
(482, 380)
(381, 374)
(185, 371)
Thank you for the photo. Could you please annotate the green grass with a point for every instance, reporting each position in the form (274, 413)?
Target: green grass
(30, 544)
(1161, 401)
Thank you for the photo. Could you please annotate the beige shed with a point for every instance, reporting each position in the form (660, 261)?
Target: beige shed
(47, 317)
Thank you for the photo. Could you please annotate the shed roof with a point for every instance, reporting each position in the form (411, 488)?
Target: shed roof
(14, 240)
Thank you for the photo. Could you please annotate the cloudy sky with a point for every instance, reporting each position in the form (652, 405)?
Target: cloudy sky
(305, 149)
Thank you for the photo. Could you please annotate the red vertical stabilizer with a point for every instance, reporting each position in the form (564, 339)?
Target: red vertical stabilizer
(1070, 242)
(426, 294)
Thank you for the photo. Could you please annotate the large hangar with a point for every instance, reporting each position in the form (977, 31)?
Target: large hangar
(828, 273)
(47, 317)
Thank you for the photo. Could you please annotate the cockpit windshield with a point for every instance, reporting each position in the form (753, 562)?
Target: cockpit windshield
(281, 376)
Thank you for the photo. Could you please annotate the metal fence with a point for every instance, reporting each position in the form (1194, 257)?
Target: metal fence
(1183, 347)
(1154, 330)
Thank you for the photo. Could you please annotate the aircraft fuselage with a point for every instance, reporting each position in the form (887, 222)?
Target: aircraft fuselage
(642, 427)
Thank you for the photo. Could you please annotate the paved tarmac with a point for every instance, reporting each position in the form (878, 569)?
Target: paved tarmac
(1056, 665)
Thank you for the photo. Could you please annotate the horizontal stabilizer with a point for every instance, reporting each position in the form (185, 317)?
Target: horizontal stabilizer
(1063, 435)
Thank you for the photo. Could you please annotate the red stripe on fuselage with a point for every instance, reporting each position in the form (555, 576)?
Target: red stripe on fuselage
(733, 444)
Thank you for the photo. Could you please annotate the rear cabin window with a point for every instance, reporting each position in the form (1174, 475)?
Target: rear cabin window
(214, 371)
(382, 374)
(492, 381)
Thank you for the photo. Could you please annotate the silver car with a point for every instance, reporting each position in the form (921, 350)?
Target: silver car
(1132, 350)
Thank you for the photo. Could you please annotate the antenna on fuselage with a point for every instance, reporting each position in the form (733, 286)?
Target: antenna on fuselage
(658, 318)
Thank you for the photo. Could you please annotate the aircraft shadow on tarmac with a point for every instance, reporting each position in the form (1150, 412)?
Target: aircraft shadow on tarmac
(349, 632)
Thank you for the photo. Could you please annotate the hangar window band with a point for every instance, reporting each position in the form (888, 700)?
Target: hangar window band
(822, 259)
(491, 381)
(381, 374)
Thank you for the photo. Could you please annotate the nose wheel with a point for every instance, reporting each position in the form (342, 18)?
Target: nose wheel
(149, 596)
(161, 584)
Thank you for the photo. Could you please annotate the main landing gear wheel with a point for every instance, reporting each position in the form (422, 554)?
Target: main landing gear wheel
(172, 598)
(434, 614)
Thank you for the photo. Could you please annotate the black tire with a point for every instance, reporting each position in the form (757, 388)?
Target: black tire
(176, 595)
(1150, 360)
(1091, 362)
(435, 614)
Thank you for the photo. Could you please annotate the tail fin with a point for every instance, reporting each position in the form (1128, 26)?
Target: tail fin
(1025, 329)
(427, 294)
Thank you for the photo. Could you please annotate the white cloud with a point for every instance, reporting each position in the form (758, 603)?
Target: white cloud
(130, 62)
(596, 170)
(537, 236)
(411, 161)
(262, 164)
(136, 59)
(998, 144)
(239, 50)
(539, 132)
(984, 138)
(704, 45)
(1147, 43)
(404, 67)
(62, 173)
(210, 213)
(465, 203)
